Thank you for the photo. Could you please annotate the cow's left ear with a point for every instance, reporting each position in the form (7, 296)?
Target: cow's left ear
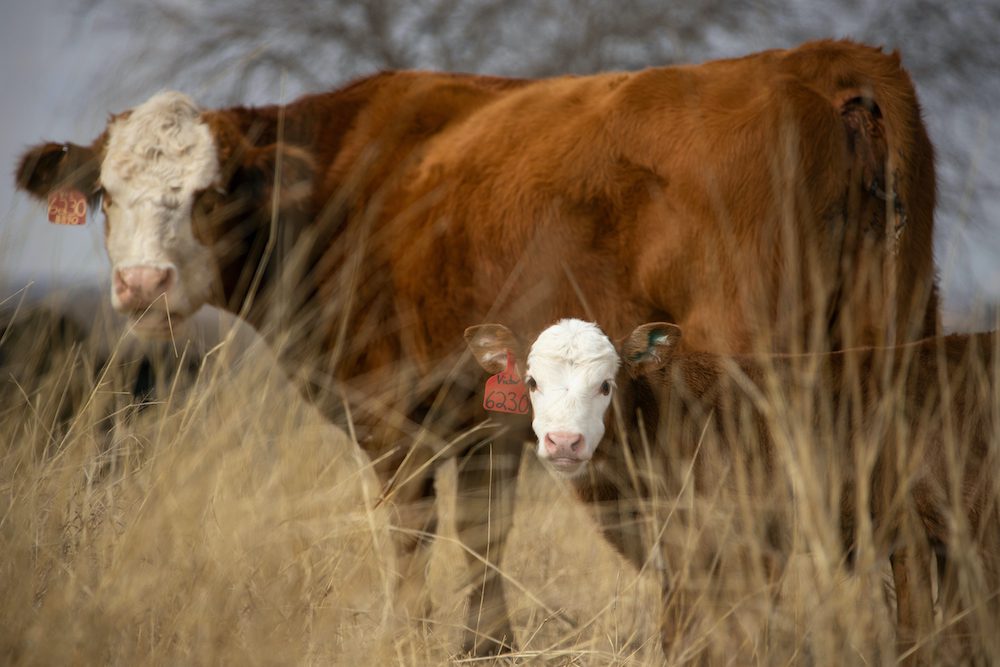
(490, 344)
(48, 167)
(258, 173)
(650, 347)
(277, 170)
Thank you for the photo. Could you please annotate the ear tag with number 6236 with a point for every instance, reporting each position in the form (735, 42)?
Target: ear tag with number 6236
(505, 392)
(67, 207)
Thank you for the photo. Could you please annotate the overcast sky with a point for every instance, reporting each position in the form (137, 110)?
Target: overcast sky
(53, 58)
(48, 64)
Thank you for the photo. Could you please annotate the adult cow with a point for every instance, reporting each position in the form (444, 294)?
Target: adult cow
(899, 439)
(755, 201)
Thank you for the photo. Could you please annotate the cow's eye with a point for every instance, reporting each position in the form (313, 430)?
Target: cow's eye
(105, 200)
(605, 387)
(530, 383)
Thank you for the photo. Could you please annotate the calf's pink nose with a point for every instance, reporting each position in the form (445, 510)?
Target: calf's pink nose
(138, 286)
(563, 444)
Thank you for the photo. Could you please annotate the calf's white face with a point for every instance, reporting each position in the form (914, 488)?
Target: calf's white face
(158, 157)
(570, 374)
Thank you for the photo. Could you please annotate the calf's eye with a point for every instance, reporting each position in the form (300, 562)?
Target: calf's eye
(530, 383)
(605, 388)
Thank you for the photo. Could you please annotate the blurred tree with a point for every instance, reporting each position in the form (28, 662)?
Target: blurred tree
(238, 47)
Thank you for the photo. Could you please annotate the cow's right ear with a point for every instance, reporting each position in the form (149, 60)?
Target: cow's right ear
(49, 167)
(490, 343)
(650, 347)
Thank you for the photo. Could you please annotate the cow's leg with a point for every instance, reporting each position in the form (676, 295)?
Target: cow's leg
(914, 602)
(970, 611)
(620, 519)
(484, 514)
(414, 522)
(407, 486)
(957, 634)
(988, 615)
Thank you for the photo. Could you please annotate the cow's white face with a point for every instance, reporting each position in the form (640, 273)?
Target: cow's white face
(570, 374)
(157, 158)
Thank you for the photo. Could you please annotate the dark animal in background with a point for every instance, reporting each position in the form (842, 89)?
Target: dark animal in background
(62, 372)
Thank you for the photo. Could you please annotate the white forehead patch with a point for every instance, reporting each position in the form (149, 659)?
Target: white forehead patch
(575, 344)
(160, 154)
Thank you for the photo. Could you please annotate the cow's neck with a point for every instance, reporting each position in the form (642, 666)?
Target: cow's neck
(274, 285)
(317, 122)
(280, 266)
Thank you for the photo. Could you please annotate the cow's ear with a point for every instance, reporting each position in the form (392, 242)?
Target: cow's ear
(650, 347)
(490, 344)
(49, 167)
(276, 170)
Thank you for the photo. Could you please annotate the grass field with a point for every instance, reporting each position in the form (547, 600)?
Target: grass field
(228, 523)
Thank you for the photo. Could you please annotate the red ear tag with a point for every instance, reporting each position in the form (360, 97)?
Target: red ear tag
(67, 207)
(505, 392)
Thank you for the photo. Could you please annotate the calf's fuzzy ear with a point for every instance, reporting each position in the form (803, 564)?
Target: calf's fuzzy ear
(490, 345)
(649, 347)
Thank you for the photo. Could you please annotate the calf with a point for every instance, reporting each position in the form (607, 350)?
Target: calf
(908, 436)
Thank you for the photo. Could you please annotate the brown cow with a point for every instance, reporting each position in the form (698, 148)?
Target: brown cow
(913, 424)
(759, 200)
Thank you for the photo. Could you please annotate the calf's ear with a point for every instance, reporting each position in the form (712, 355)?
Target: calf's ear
(650, 346)
(48, 167)
(490, 344)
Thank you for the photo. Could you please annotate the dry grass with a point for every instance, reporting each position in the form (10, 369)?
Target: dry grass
(228, 523)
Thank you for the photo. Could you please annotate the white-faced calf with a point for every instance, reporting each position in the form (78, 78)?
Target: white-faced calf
(905, 439)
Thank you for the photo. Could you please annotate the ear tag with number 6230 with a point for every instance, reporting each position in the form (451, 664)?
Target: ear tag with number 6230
(505, 392)
(67, 207)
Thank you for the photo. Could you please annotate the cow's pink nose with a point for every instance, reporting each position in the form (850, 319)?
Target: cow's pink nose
(138, 286)
(563, 444)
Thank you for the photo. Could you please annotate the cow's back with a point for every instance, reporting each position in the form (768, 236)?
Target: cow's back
(659, 194)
